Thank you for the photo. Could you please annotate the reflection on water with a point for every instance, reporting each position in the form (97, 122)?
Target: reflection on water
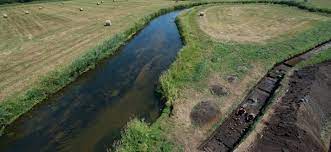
(89, 114)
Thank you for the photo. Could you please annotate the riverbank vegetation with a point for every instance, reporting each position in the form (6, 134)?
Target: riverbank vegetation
(324, 4)
(213, 56)
(54, 43)
(47, 49)
(318, 58)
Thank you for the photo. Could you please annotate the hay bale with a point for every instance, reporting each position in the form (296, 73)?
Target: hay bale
(98, 3)
(102, 2)
(81, 9)
(204, 113)
(40, 7)
(5, 16)
(108, 23)
(26, 12)
(202, 14)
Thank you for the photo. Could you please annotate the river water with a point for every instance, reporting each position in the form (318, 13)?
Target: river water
(89, 114)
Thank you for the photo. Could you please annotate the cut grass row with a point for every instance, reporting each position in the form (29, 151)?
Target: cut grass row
(16, 105)
(33, 45)
(203, 56)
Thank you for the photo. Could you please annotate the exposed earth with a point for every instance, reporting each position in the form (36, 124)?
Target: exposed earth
(302, 114)
(241, 121)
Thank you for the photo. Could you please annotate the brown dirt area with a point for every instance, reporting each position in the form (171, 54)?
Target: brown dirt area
(300, 120)
(190, 135)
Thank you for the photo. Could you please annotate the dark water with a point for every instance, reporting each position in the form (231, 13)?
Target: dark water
(90, 113)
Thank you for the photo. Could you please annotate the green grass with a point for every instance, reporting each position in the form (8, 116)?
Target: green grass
(226, 22)
(202, 56)
(49, 78)
(196, 68)
(324, 4)
(140, 137)
(46, 39)
(325, 55)
(14, 106)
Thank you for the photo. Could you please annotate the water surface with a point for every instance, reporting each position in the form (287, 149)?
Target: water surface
(89, 114)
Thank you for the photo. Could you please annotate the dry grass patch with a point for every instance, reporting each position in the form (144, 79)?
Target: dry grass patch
(254, 23)
(50, 38)
(191, 136)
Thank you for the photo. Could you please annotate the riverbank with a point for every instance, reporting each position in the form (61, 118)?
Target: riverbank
(17, 104)
(43, 86)
(205, 62)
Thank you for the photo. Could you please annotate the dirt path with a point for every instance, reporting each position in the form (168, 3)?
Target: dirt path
(227, 136)
(298, 119)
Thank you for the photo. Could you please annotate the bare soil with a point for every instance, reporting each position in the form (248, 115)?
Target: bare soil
(299, 118)
(231, 132)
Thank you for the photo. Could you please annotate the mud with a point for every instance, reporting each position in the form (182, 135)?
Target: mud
(301, 114)
(229, 134)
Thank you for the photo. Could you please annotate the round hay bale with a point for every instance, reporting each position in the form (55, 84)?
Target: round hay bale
(108, 23)
(218, 90)
(81, 9)
(26, 12)
(102, 2)
(40, 7)
(98, 3)
(204, 113)
(5, 16)
(202, 14)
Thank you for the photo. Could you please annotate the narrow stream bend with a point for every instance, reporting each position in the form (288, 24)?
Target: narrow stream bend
(89, 114)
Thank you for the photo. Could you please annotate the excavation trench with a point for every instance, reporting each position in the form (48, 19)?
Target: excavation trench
(89, 114)
(229, 134)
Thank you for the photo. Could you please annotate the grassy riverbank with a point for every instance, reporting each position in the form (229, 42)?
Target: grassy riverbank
(52, 37)
(33, 68)
(47, 49)
(208, 60)
(324, 4)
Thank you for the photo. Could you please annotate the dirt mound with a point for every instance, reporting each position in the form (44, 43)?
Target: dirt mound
(218, 90)
(303, 112)
(204, 112)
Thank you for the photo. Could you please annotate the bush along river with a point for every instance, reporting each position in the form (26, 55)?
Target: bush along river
(89, 114)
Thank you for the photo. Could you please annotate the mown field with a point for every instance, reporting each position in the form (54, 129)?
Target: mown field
(242, 41)
(52, 37)
(326, 4)
(226, 42)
